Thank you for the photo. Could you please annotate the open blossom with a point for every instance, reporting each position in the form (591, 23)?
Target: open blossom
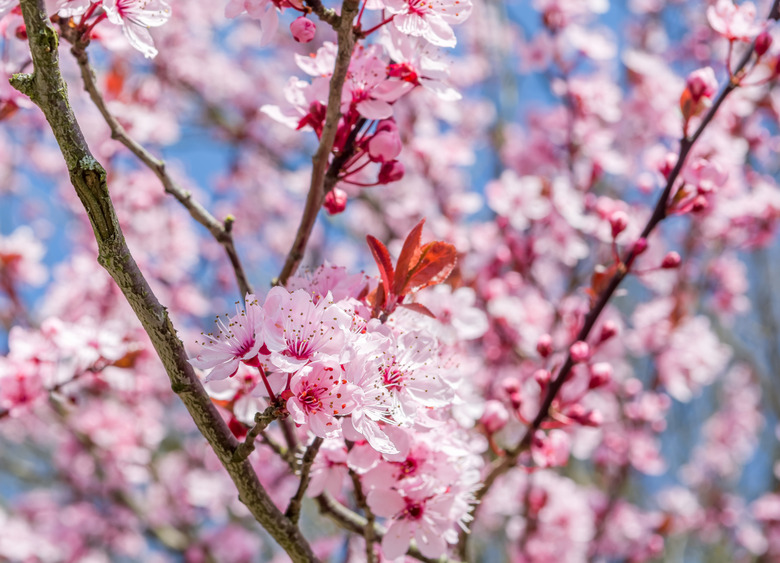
(734, 22)
(240, 339)
(136, 17)
(297, 331)
(422, 513)
(430, 19)
(318, 394)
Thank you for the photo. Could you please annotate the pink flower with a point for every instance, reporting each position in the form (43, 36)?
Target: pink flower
(551, 450)
(297, 331)
(430, 19)
(318, 394)
(237, 341)
(421, 513)
(136, 17)
(734, 22)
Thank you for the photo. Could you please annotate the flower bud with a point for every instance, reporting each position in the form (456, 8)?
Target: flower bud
(618, 221)
(303, 29)
(640, 246)
(544, 345)
(384, 146)
(495, 416)
(390, 172)
(542, 377)
(335, 201)
(702, 83)
(763, 42)
(580, 351)
(600, 375)
(671, 261)
(699, 204)
(608, 330)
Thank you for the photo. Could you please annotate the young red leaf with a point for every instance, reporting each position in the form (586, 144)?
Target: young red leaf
(383, 262)
(418, 308)
(437, 260)
(410, 256)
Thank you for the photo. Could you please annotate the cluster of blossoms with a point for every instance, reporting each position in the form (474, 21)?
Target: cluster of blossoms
(379, 393)
(404, 56)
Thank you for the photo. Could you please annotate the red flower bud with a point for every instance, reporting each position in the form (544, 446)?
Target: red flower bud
(390, 172)
(763, 42)
(671, 260)
(544, 345)
(335, 201)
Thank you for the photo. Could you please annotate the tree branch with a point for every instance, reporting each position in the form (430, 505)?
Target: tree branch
(317, 192)
(293, 511)
(221, 231)
(368, 529)
(47, 89)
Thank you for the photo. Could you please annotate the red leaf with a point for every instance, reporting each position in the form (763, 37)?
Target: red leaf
(410, 256)
(383, 262)
(418, 308)
(437, 260)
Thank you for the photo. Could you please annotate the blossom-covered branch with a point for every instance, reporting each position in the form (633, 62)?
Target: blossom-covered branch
(47, 89)
(316, 195)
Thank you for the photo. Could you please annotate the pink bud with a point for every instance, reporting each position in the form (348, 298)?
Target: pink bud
(303, 29)
(580, 351)
(387, 125)
(390, 172)
(763, 42)
(384, 146)
(668, 164)
(699, 204)
(495, 416)
(608, 330)
(542, 377)
(600, 375)
(702, 83)
(544, 345)
(640, 246)
(619, 221)
(671, 260)
(335, 201)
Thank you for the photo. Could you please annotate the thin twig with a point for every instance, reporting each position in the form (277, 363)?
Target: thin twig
(293, 511)
(368, 529)
(221, 231)
(262, 420)
(502, 465)
(316, 196)
(328, 15)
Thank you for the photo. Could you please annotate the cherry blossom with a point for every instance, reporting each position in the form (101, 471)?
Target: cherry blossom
(136, 17)
(429, 20)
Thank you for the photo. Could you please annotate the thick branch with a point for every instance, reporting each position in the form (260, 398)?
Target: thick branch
(317, 192)
(221, 231)
(48, 91)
